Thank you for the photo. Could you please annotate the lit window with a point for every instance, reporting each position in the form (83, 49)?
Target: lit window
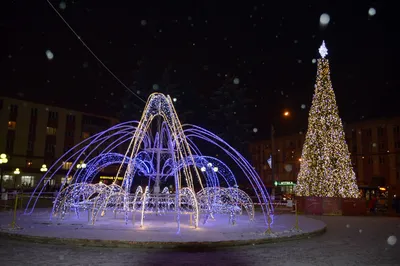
(28, 163)
(27, 180)
(8, 178)
(51, 130)
(48, 181)
(66, 180)
(12, 125)
(67, 165)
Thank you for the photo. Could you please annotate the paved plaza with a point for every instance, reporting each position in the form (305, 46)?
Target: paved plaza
(348, 241)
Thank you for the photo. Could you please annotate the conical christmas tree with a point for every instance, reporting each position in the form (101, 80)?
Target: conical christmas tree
(325, 169)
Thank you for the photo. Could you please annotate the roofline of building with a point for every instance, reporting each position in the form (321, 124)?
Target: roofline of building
(58, 106)
(374, 120)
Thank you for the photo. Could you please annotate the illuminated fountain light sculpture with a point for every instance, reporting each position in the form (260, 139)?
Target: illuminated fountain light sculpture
(164, 153)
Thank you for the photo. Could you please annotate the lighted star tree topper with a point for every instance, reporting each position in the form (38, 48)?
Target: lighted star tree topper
(325, 169)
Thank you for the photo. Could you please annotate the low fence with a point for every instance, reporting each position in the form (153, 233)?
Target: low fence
(331, 206)
(305, 205)
(44, 200)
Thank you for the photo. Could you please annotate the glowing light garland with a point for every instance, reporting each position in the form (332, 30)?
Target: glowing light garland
(169, 153)
(325, 167)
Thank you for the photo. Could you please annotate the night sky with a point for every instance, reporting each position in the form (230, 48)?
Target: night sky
(264, 50)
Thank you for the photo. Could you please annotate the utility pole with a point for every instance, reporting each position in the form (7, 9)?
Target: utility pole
(273, 153)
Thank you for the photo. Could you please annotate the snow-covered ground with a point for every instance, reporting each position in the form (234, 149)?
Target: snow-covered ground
(342, 244)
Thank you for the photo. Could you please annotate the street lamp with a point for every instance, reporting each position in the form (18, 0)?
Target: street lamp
(44, 168)
(3, 160)
(81, 165)
(16, 172)
(273, 164)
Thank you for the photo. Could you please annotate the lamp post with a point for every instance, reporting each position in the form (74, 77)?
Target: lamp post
(286, 114)
(16, 172)
(273, 157)
(3, 161)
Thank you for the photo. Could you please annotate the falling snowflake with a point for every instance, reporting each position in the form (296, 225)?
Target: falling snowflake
(303, 106)
(324, 19)
(360, 231)
(255, 130)
(314, 61)
(392, 240)
(49, 55)
(143, 22)
(236, 81)
(347, 225)
(372, 11)
(62, 5)
(174, 100)
(155, 87)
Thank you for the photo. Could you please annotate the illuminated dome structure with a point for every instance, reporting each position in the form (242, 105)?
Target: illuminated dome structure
(178, 178)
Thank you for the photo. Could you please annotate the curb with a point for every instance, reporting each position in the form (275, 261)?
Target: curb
(155, 244)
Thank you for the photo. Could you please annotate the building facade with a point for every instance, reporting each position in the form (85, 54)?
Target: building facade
(287, 158)
(375, 152)
(33, 134)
